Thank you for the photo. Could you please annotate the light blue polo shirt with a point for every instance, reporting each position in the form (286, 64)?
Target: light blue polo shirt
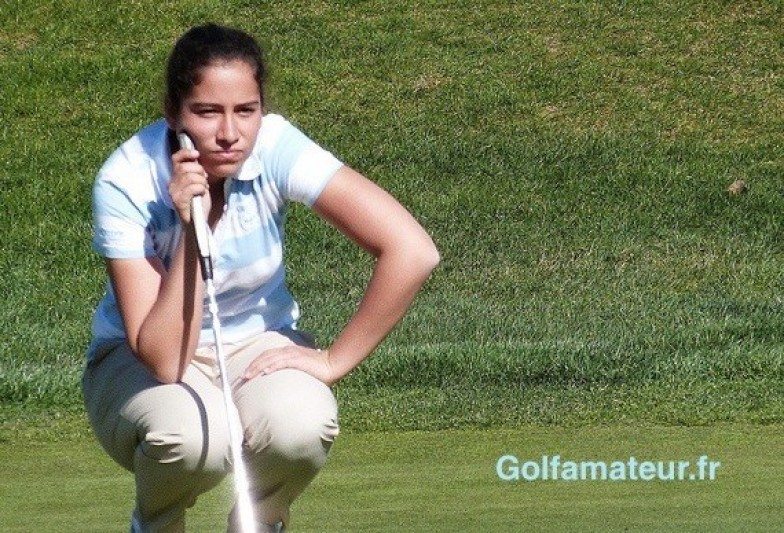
(134, 217)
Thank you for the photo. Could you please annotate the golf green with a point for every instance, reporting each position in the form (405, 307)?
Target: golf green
(444, 481)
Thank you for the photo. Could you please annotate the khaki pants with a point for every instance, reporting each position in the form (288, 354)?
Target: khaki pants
(175, 439)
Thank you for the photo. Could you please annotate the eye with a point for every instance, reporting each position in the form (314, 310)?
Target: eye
(246, 111)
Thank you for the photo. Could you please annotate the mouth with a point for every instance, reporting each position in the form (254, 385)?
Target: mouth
(227, 156)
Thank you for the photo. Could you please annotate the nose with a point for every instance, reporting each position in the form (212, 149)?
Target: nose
(228, 133)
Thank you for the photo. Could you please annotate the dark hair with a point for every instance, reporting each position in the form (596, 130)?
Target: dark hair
(204, 45)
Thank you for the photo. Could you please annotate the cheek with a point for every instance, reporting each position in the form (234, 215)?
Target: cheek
(198, 131)
(252, 129)
(202, 134)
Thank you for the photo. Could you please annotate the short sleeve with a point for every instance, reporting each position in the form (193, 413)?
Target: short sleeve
(120, 229)
(300, 167)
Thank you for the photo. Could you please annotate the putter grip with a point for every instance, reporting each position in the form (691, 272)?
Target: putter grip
(199, 222)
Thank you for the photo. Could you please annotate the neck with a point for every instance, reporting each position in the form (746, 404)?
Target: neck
(217, 201)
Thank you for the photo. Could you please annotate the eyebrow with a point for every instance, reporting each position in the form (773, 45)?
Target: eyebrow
(215, 104)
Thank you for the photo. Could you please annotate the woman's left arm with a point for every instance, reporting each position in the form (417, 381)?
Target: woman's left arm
(405, 256)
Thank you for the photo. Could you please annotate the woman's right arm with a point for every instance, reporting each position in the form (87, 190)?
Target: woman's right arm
(162, 309)
(159, 308)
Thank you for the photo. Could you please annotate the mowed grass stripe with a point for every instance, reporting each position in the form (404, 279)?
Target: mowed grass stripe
(442, 481)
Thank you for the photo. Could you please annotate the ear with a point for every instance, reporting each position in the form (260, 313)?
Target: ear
(171, 115)
(172, 122)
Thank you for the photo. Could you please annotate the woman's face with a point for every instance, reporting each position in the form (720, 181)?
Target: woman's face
(222, 115)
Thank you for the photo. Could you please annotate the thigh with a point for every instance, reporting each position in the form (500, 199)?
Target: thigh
(240, 356)
(128, 407)
(286, 405)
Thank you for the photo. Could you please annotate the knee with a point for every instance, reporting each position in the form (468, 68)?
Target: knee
(183, 436)
(299, 435)
(300, 443)
(300, 426)
(174, 445)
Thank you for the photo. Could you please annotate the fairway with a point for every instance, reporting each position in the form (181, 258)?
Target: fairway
(442, 481)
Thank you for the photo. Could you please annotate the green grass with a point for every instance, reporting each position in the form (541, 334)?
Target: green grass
(569, 158)
(441, 481)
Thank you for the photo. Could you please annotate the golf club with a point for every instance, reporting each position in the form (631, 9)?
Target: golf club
(205, 245)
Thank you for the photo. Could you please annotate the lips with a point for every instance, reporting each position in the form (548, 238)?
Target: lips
(227, 156)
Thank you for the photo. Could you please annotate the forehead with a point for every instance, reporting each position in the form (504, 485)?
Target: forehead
(226, 81)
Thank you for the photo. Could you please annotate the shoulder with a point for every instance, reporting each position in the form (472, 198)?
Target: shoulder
(139, 163)
(274, 128)
(278, 145)
(145, 150)
(280, 142)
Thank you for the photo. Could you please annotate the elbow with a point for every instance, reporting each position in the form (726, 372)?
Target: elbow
(432, 258)
(165, 372)
(166, 376)
(425, 257)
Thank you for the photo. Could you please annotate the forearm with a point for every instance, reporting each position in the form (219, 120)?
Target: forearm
(397, 278)
(169, 334)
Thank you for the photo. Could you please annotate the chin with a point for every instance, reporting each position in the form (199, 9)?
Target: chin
(224, 171)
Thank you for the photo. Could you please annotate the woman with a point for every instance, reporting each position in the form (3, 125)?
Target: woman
(150, 385)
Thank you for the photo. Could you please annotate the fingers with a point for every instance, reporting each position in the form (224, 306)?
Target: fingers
(268, 362)
(189, 179)
(314, 362)
(185, 155)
